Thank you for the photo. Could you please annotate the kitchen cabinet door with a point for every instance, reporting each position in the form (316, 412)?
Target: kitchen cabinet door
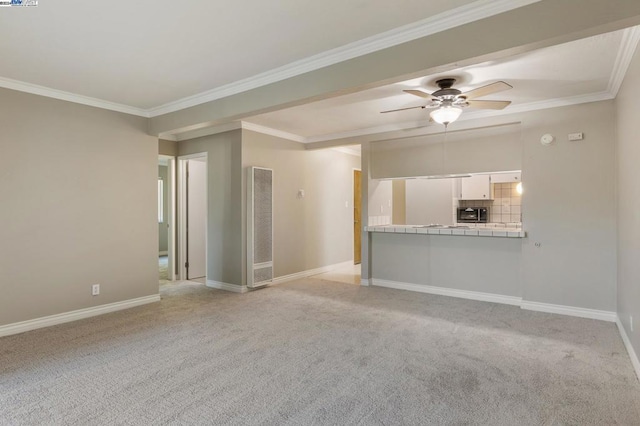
(476, 187)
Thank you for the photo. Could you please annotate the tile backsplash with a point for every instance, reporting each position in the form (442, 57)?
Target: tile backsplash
(506, 206)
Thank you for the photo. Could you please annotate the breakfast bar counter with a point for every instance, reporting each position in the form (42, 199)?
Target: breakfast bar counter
(457, 230)
(465, 261)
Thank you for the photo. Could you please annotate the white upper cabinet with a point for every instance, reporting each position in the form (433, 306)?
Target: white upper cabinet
(477, 187)
(506, 177)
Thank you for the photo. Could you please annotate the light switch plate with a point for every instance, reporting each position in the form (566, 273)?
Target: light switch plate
(576, 136)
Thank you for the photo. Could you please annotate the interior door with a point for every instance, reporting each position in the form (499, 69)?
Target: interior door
(357, 221)
(196, 218)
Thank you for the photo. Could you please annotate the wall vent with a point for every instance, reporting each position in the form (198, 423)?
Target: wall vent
(259, 227)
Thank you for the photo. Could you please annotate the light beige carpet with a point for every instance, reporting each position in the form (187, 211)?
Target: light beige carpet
(318, 352)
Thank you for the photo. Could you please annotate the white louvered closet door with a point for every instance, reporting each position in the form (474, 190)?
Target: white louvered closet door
(259, 227)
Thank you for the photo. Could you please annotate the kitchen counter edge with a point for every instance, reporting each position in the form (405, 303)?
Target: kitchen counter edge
(456, 232)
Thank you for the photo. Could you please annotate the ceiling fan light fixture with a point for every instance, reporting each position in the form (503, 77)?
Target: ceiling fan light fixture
(446, 114)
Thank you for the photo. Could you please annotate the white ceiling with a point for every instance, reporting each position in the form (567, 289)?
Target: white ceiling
(151, 57)
(574, 72)
(147, 53)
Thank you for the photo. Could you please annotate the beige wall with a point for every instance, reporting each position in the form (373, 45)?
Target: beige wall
(166, 147)
(78, 187)
(568, 204)
(317, 230)
(380, 202)
(628, 180)
(224, 224)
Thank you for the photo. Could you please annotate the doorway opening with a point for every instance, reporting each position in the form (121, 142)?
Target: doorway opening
(192, 217)
(166, 218)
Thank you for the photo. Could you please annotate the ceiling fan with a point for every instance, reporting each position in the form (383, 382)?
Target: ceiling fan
(448, 102)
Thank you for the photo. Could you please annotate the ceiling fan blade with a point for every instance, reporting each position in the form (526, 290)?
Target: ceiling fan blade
(421, 94)
(489, 104)
(402, 109)
(496, 87)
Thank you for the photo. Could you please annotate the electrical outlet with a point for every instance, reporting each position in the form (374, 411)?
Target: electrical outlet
(95, 289)
(631, 322)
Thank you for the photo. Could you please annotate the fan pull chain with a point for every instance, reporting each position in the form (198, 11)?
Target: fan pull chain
(444, 145)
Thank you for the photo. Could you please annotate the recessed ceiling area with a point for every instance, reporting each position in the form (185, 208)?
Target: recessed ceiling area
(575, 72)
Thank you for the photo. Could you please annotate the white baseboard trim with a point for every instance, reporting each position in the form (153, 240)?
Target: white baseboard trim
(303, 274)
(311, 272)
(569, 310)
(21, 327)
(163, 253)
(627, 344)
(442, 291)
(227, 287)
(499, 298)
(365, 282)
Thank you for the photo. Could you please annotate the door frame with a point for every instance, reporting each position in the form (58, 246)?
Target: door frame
(353, 196)
(182, 212)
(171, 214)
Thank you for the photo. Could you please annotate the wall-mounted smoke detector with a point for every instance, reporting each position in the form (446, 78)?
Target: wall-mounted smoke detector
(547, 139)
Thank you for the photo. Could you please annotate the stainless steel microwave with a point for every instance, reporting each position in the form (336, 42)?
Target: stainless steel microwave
(473, 214)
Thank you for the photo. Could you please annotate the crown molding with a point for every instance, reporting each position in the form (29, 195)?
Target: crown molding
(628, 46)
(35, 89)
(478, 10)
(273, 132)
(450, 19)
(453, 18)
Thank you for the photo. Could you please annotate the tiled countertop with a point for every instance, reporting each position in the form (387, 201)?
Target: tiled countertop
(473, 232)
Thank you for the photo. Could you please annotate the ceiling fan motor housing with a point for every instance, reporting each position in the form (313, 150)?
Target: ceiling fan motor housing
(445, 88)
(446, 83)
